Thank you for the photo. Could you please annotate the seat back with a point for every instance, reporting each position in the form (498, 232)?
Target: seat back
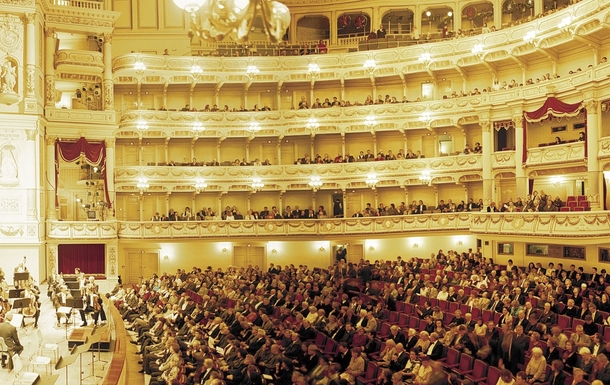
(479, 370)
(564, 321)
(487, 315)
(409, 308)
(385, 329)
(465, 363)
(493, 374)
(400, 306)
(331, 346)
(453, 306)
(443, 304)
(393, 317)
(576, 322)
(453, 357)
(403, 319)
(320, 340)
(414, 322)
(371, 370)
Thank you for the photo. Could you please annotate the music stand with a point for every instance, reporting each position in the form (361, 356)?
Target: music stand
(66, 311)
(100, 331)
(75, 303)
(64, 362)
(79, 350)
(90, 340)
(21, 276)
(48, 379)
(14, 293)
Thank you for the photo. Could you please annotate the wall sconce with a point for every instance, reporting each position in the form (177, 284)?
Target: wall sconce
(224, 250)
(371, 248)
(166, 257)
(415, 245)
(321, 249)
(273, 251)
(460, 243)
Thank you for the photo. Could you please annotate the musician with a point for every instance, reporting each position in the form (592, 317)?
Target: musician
(9, 333)
(20, 268)
(98, 306)
(59, 300)
(32, 310)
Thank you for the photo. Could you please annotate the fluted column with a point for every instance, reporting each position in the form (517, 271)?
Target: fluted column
(30, 181)
(592, 143)
(521, 177)
(108, 84)
(110, 165)
(50, 179)
(487, 150)
(49, 78)
(30, 62)
(497, 15)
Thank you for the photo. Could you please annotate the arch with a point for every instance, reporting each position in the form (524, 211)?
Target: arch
(313, 28)
(398, 21)
(437, 21)
(475, 14)
(351, 24)
(514, 12)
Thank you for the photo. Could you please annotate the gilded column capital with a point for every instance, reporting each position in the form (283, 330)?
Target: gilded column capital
(485, 125)
(29, 18)
(107, 38)
(51, 140)
(50, 32)
(110, 142)
(518, 120)
(591, 106)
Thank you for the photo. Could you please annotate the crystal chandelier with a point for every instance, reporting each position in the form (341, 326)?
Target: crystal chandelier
(142, 184)
(425, 177)
(315, 183)
(371, 181)
(217, 19)
(257, 184)
(200, 185)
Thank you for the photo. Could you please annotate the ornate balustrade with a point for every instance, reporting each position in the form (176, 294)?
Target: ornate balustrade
(587, 224)
(82, 230)
(93, 5)
(274, 228)
(575, 225)
(560, 153)
(503, 159)
(450, 169)
(80, 116)
(79, 61)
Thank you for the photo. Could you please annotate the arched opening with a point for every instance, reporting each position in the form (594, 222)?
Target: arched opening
(476, 16)
(353, 24)
(437, 23)
(398, 21)
(517, 12)
(313, 28)
(555, 4)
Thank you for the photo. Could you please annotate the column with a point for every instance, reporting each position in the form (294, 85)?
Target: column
(49, 78)
(486, 160)
(110, 164)
(51, 210)
(344, 202)
(30, 182)
(107, 83)
(497, 15)
(333, 28)
(417, 18)
(593, 173)
(521, 177)
(279, 150)
(30, 62)
(538, 7)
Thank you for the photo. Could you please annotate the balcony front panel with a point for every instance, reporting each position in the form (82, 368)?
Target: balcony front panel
(556, 154)
(80, 116)
(296, 228)
(449, 169)
(79, 62)
(503, 159)
(81, 230)
(588, 224)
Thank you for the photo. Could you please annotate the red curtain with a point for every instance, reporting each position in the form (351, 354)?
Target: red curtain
(551, 108)
(530, 186)
(94, 153)
(89, 258)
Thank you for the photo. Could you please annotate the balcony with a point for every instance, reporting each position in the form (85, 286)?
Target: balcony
(447, 169)
(93, 5)
(564, 225)
(79, 62)
(81, 230)
(79, 116)
(556, 154)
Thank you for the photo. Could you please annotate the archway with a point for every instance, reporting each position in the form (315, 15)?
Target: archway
(313, 28)
(398, 21)
(475, 15)
(353, 24)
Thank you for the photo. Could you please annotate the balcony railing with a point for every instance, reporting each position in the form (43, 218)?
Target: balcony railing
(560, 153)
(96, 5)
(554, 224)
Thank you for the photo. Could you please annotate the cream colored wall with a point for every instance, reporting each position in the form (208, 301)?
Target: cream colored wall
(184, 254)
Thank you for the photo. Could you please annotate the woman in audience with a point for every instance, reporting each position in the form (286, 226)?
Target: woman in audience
(570, 357)
(556, 375)
(506, 378)
(536, 368)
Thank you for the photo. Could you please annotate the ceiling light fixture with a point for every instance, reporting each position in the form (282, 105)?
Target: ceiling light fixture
(315, 183)
(218, 19)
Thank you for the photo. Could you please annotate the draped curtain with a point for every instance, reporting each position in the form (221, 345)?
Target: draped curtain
(552, 108)
(94, 154)
(89, 258)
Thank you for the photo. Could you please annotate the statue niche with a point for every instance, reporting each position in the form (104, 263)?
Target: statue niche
(8, 81)
(9, 171)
